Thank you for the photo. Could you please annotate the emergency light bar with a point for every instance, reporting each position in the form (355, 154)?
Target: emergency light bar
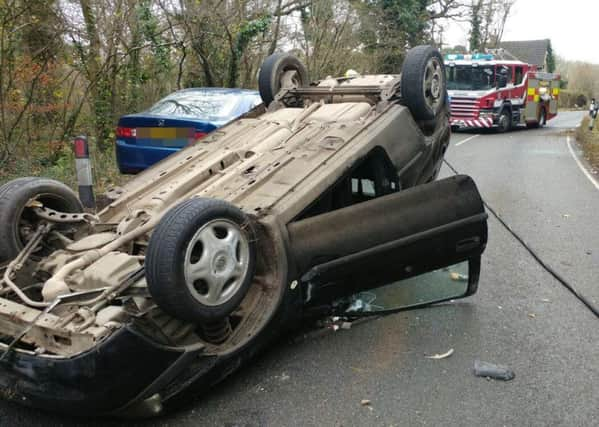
(473, 57)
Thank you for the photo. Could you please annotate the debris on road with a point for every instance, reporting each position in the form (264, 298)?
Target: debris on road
(545, 300)
(365, 402)
(490, 370)
(441, 356)
(566, 216)
(532, 315)
(283, 377)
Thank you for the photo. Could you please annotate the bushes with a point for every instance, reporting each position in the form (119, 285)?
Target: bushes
(572, 99)
(62, 167)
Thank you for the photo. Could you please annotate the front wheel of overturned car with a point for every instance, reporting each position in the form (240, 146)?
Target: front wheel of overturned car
(18, 221)
(423, 88)
(200, 260)
(278, 70)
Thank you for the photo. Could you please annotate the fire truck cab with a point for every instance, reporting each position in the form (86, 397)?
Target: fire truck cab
(486, 92)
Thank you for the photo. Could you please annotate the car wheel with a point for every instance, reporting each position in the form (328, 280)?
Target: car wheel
(505, 122)
(17, 221)
(423, 88)
(275, 70)
(200, 260)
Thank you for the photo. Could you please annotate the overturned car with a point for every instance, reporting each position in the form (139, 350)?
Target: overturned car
(290, 212)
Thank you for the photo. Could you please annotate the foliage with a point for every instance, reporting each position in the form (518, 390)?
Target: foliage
(487, 22)
(475, 35)
(75, 66)
(550, 58)
(581, 77)
(572, 99)
(391, 27)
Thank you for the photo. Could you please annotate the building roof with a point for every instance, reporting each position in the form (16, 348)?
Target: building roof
(529, 51)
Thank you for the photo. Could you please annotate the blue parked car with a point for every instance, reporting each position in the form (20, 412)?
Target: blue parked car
(178, 120)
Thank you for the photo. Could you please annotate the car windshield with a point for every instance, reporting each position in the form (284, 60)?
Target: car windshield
(198, 104)
(468, 77)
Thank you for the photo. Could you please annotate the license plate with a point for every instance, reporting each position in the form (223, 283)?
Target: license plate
(165, 133)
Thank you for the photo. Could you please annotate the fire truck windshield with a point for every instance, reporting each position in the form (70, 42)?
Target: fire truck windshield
(468, 77)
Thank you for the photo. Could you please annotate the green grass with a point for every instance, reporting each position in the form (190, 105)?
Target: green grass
(62, 168)
(589, 141)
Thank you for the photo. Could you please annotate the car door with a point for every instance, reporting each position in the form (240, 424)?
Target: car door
(382, 235)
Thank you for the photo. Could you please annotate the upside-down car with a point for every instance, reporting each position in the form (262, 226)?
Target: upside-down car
(325, 191)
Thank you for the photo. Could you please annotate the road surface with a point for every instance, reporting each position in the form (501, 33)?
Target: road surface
(521, 317)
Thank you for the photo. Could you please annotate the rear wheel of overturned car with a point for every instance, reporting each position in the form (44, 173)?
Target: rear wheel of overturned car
(423, 88)
(278, 70)
(200, 260)
(18, 221)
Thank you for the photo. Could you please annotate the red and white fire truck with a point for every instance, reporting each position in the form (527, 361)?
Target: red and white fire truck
(487, 92)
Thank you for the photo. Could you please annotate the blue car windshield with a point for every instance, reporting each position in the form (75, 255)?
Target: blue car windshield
(198, 105)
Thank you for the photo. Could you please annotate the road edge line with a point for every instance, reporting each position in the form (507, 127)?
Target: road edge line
(463, 141)
(466, 140)
(580, 165)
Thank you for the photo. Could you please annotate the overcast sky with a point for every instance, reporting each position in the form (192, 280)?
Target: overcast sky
(572, 26)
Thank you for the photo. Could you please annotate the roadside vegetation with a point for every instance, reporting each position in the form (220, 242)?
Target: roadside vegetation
(589, 141)
(70, 67)
(579, 83)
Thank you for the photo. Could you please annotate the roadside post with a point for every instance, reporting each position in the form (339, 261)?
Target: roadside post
(84, 172)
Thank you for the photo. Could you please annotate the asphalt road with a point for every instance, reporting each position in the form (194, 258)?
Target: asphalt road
(521, 317)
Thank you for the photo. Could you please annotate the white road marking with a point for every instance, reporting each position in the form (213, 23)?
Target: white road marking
(466, 140)
(581, 166)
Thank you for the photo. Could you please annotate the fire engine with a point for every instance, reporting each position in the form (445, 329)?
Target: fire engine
(488, 92)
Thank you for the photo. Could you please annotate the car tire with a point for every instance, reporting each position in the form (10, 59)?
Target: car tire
(15, 194)
(200, 260)
(505, 122)
(423, 88)
(272, 71)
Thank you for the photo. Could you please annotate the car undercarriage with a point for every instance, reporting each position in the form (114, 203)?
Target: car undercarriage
(198, 262)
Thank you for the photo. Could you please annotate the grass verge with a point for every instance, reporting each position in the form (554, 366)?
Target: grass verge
(589, 141)
(104, 169)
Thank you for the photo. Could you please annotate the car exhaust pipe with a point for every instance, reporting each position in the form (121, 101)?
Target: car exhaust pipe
(400, 235)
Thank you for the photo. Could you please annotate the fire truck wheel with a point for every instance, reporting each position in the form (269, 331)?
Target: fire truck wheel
(505, 123)
(541, 122)
(275, 70)
(543, 118)
(423, 88)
